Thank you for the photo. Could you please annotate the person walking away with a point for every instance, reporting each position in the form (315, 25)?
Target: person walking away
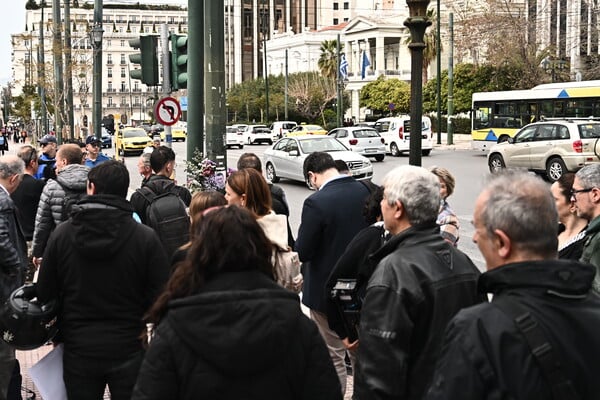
(161, 204)
(94, 153)
(586, 195)
(418, 285)
(538, 338)
(3, 142)
(26, 198)
(58, 196)
(330, 219)
(225, 330)
(447, 219)
(571, 231)
(105, 270)
(13, 255)
(47, 161)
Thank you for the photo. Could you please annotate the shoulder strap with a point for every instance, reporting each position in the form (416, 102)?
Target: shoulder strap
(562, 387)
(147, 193)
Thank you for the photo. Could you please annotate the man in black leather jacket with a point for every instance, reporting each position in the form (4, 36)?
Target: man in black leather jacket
(486, 355)
(419, 284)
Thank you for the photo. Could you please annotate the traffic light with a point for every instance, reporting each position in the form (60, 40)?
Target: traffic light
(146, 58)
(179, 60)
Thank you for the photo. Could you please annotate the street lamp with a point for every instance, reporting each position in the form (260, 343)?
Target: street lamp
(96, 39)
(417, 23)
(554, 66)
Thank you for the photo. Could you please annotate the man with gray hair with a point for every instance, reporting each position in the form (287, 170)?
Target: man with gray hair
(419, 284)
(538, 338)
(586, 195)
(13, 253)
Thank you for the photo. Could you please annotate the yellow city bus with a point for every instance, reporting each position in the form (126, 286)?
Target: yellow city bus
(496, 116)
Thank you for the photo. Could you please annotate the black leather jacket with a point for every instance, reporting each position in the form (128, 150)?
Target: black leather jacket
(419, 284)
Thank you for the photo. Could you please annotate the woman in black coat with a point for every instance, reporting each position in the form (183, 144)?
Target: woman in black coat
(226, 330)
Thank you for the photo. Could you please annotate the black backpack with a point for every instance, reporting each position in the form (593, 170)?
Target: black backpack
(71, 198)
(167, 215)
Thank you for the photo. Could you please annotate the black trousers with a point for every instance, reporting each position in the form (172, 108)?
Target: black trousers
(86, 378)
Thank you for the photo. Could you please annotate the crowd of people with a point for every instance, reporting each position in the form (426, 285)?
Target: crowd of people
(174, 295)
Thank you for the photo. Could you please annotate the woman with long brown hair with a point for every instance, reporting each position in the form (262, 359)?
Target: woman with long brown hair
(226, 330)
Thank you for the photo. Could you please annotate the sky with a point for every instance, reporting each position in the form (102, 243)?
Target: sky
(13, 21)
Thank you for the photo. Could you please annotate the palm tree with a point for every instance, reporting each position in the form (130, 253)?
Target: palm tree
(328, 60)
(430, 51)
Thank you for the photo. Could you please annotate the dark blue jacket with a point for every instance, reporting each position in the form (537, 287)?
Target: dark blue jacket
(331, 217)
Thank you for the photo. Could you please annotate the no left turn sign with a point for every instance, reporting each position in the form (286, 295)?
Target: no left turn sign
(167, 111)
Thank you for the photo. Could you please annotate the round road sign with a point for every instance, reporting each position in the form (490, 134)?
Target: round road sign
(167, 111)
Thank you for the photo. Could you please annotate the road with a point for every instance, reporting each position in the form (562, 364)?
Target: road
(469, 168)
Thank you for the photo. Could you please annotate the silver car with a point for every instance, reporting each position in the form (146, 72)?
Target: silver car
(552, 147)
(285, 159)
(363, 140)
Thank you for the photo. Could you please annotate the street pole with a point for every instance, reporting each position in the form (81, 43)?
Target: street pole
(42, 74)
(286, 84)
(438, 51)
(338, 81)
(417, 23)
(214, 84)
(166, 79)
(195, 138)
(450, 139)
(96, 36)
(266, 71)
(58, 71)
(69, 71)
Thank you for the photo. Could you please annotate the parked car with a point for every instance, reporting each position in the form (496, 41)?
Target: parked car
(549, 147)
(363, 140)
(285, 159)
(132, 140)
(234, 137)
(280, 129)
(240, 127)
(254, 134)
(305, 129)
(396, 133)
(106, 139)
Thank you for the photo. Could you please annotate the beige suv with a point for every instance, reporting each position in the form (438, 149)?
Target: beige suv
(550, 147)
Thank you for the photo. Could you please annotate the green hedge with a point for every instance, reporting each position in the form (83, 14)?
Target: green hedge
(461, 125)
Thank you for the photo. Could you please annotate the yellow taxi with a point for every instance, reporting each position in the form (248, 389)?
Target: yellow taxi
(178, 134)
(132, 140)
(306, 129)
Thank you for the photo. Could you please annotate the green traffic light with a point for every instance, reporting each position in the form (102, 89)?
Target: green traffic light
(146, 58)
(179, 60)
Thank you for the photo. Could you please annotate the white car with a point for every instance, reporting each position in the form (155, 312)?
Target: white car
(396, 133)
(363, 140)
(234, 137)
(280, 129)
(285, 159)
(254, 134)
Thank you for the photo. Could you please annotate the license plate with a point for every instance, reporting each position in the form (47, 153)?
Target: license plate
(371, 150)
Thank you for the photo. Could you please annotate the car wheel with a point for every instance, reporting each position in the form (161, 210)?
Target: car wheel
(496, 163)
(426, 152)
(379, 157)
(241, 146)
(271, 175)
(249, 142)
(270, 142)
(394, 150)
(555, 169)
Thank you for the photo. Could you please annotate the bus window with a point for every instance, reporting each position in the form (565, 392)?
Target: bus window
(482, 117)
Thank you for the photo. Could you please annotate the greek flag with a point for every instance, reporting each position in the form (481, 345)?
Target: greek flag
(343, 67)
(365, 64)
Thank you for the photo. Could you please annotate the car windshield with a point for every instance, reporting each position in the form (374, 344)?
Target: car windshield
(589, 131)
(365, 133)
(324, 143)
(131, 133)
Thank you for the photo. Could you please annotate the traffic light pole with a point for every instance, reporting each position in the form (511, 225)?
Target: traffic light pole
(195, 138)
(166, 78)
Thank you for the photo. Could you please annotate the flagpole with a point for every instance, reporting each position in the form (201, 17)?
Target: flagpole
(339, 82)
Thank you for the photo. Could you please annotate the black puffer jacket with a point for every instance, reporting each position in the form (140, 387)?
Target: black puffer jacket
(485, 355)
(241, 337)
(418, 286)
(106, 270)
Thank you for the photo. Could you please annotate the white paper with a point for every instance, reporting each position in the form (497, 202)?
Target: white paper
(47, 375)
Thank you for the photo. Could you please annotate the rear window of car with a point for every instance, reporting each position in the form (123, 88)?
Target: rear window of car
(365, 133)
(589, 131)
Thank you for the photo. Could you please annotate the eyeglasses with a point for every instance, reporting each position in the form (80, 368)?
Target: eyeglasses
(575, 191)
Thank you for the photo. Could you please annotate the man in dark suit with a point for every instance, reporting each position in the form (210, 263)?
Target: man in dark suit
(331, 217)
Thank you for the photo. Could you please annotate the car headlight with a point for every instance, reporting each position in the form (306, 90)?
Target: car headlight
(367, 163)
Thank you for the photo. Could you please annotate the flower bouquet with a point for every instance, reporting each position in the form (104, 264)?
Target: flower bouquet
(203, 175)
